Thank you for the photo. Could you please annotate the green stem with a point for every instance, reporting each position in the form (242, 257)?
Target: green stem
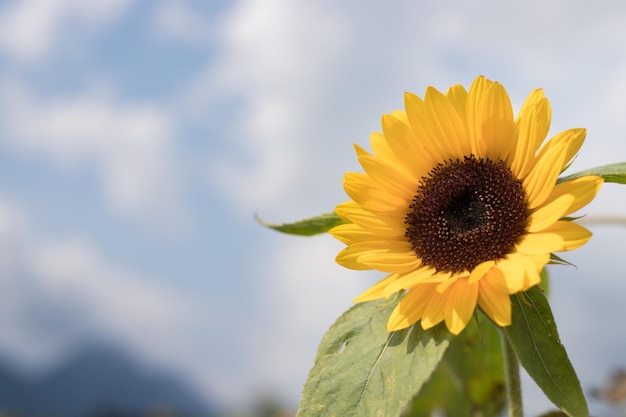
(511, 374)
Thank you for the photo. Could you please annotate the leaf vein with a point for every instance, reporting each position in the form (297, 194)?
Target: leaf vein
(536, 350)
(375, 366)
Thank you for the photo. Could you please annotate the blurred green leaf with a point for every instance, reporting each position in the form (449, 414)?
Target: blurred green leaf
(611, 173)
(361, 370)
(307, 227)
(534, 337)
(469, 379)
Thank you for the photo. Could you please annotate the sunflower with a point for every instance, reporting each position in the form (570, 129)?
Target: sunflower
(459, 203)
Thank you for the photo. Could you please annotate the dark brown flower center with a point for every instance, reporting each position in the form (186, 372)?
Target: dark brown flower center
(465, 213)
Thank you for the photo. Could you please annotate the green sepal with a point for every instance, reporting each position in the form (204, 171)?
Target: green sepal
(557, 260)
(535, 339)
(361, 370)
(307, 227)
(469, 378)
(610, 173)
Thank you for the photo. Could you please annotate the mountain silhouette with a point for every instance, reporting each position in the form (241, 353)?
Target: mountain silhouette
(96, 382)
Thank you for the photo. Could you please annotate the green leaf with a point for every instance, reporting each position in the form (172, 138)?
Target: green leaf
(469, 378)
(308, 227)
(611, 173)
(361, 370)
(535, 339)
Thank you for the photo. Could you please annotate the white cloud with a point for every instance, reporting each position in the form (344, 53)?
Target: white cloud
(130, 145)
(261, 63)
(30, 29)
(58, 293)
(175, 20)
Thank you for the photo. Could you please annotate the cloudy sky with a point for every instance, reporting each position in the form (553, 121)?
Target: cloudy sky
(138, 139)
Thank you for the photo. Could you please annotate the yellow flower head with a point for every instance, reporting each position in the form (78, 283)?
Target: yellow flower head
(460, 204)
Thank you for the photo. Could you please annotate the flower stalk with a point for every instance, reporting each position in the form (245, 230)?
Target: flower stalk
(512, 378)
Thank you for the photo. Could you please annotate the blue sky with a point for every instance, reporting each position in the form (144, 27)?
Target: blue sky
(139, 138)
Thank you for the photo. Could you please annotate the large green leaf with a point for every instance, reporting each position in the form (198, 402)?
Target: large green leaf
(534, 337)
(307, 227)
(362, 370)
(611, 173)
(469, 378)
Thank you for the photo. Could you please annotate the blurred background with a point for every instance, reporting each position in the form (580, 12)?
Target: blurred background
(138, 139)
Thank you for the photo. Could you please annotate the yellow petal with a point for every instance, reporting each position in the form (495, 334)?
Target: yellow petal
(400, 115)
(480, 270)
(541, 179)
(433, 151)
(460, 304)
(560, 236)
(583, 189)
(573, 234)
(381, 246)
(435, 310)
(410, 309)
(422, 275)
(443, 286)
(540, 243)
(550, 162)
(382, 151)
(346, 208)
(415, 114)
(494, 299)
(445, 125)
(535, 97)
(350, 233)
(350, 259)
(458, 97)
(391, 261)
(550, 212)
(384, 226)
(571, 140)
(540, 262)
(363, 190)
(531, 129)
(533, 277)
(473, 115)
(384, 255)
(389, 177)
(406, 147)
(514, 273)
(565, 199)
(497, 129)
(376, 291)
(520, 272)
